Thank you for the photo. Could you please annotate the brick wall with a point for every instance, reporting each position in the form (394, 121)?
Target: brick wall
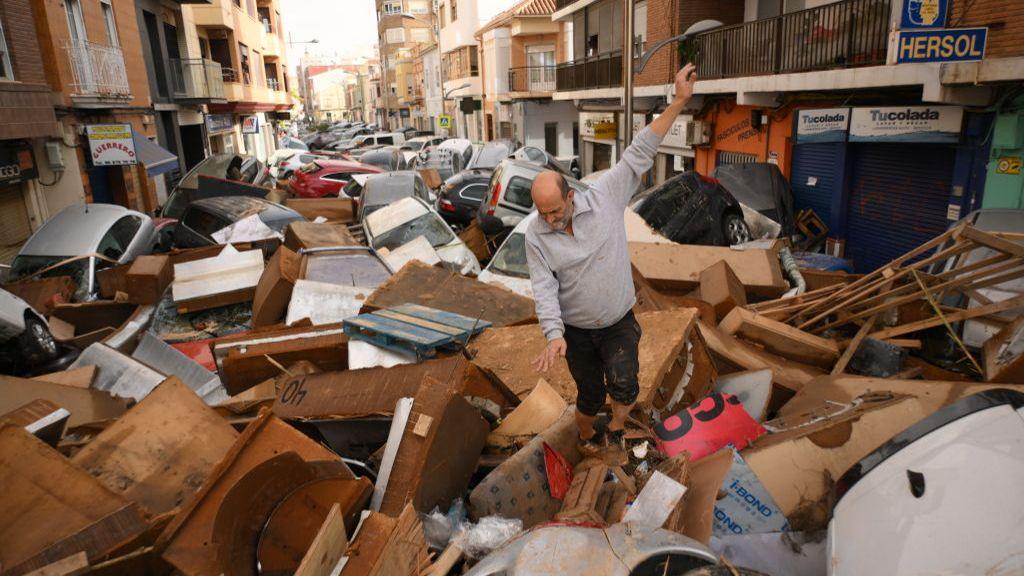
(667, 18)
(25, 108)
(1004, 19)
(22, 42)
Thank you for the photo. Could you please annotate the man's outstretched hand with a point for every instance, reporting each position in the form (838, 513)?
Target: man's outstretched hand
(555, 350)
(685, 79)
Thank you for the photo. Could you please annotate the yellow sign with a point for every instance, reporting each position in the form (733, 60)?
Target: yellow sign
(444, 121)
(606, 130)
(1008, 165)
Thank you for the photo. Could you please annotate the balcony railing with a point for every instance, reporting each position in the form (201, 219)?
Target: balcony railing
(531, 79)
(602, 71)
(197, 79)
(229, 75)
(273, 84)
(845, 34)
(98, 70)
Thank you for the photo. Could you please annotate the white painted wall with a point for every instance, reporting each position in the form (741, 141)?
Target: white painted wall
(530, 117)
(497, 50)
(472, 15)
(432, 81)
(68, 189)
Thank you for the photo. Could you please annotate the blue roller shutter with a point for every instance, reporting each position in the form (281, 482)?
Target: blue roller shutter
(897, 201)
(817, 177)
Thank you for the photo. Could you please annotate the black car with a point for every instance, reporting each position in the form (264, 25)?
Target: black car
(693, 209)
(203, 218)
(388, 158)
(234, 167)
(462, 195)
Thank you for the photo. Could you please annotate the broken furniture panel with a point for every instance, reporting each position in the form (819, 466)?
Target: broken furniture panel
(188, 541)
(41, 418)
(418, 249)
(345, 266)
(229, 277)
(301, 235)
(53, 509)
(387, 546)
(327, 548)
(438, 451)
(443, 289)
(44, 294)
(81, 377)
(780, 338)
(731, 351)
(85, 405)
(147, 278)
(540, 409)
(161, 451)
(117, 373)
(324, 303)
(157, 354)
(274, 289)
(720, 287)
(678, 266)
(1004, 354)
(83, 324)
(340, 210)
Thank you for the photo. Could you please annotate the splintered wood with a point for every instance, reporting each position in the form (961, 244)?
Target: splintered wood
(961, 261)
(590, 498)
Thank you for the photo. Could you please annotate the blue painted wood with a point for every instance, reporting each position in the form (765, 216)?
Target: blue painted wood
(404, 337)
(400, 329)
(443, 317)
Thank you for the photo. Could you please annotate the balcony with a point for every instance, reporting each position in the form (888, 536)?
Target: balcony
(841, 35)
(98, 71)
(197, 79)
(532, 79)
(274, 84)
(602, 71)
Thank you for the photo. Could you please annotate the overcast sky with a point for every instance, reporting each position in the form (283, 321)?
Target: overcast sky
(346, 28)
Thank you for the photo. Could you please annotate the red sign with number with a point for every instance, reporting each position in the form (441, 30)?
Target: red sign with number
(707, 426)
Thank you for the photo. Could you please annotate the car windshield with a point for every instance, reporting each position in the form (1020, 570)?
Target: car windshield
(433, 228)
(414, 145)
(511, 259)
(387, 190)
(78, 270)
(380, 159)
(219, 166)
(490, 156)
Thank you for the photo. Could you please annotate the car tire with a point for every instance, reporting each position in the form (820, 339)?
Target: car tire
(735, 229)
(36, 343)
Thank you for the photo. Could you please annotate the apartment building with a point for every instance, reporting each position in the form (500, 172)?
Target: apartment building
(28, 128)
(328, 95)
(181, 84)
(401, 25)
(246, 37)
(520, 47)
(426, 81)
(311, 65)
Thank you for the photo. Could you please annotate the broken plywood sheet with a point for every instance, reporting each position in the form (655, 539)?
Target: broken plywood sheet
(781, 338)
(539, 410)
(85, 405)
(720, 287)
(227, 278)
(327, 547)
(186, 540)
(157, 354)
(374, 391)
(324, 303)
(386, 546)
(445, 290)
(1004, 354)
(507, 354)
(162, 450)
(438, 452)
(678, 266)
(305, 235)
(274, 290)
(53, 509)
(333, 209)
(791, 375)
(78, 377)
(117, 373)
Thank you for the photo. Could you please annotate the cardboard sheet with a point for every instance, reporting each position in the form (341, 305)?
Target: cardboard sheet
(679, 266)
(538, 411)
(324, 303)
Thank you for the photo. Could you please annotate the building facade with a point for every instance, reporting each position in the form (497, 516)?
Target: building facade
(401, 25)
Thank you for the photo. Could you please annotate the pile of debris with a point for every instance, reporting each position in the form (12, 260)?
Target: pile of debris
(310, 407)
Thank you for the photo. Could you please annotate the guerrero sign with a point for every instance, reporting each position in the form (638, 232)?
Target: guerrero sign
(906, 124)
(954, 45)
(111, 144)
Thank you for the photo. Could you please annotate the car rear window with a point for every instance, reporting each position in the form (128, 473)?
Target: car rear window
(202, 222)
(518, 192)
(474, 192)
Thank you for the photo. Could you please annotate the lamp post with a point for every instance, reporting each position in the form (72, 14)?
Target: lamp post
(697, 28)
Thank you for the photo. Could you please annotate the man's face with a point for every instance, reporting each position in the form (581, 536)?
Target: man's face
(558, 214)
(551, 206)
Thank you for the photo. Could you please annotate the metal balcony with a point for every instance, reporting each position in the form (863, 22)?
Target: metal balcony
(601, 71)
(197, 79)
(840, 35)
(98, 70)
(532, 79)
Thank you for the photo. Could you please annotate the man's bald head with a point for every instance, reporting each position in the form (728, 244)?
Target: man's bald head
(553, 198)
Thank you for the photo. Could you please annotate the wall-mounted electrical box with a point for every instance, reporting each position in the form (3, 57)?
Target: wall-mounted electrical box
(55, 156)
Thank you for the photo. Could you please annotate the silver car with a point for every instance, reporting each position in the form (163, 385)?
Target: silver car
(24, 333)
(405, 220)
(82, 239)
(508, 200)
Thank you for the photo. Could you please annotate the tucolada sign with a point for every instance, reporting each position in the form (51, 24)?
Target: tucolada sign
(906, 124)
(822, 125)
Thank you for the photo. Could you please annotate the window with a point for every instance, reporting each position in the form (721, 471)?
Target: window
(454, 10)
(475, 192)
(392, 7)
(474, 60)
(202, 222)
(440, 15)
(243, 62)
(395, 35)
(639, 28)
(419, 7)
(338, 176)
(6, 71)
(264, 18)
(518, 192)
(420, 34)
(108, 22)
(119, 237)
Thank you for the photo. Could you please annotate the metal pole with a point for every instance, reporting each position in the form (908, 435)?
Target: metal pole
(627, 80)
(385, 87)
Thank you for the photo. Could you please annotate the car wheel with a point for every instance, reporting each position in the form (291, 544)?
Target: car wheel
(735, 229)
(37, 344)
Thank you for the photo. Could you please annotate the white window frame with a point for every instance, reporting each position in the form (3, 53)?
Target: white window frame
(5, 57)
(110, 23)
(422, 33)
(419, 7)
(391, 7)
(395, 35)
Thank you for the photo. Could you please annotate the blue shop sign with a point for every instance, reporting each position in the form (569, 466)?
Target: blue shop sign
(924, 14)
(953, 45)
(217, 123)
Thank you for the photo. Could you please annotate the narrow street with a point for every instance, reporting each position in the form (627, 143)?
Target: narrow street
(516, 287)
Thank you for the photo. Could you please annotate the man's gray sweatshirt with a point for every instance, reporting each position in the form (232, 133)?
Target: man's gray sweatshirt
(585, 280)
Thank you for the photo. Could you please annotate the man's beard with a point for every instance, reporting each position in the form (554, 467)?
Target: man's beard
(562, 224)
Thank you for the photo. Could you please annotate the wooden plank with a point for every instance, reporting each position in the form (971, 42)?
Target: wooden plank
(72, 565)
(781, 338)
(81, 377)
(436, 327)
(443, 317)
(327, 548)
(791, 375)
(851, 348)
(1002, 306)
(994, 242)
(679, 266)
(401, 330)
(161, 451)
(85, 404)
(445, 562)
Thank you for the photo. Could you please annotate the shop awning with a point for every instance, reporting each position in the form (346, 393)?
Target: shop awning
(155, 158)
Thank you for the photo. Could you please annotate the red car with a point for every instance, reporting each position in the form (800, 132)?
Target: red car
(327, 178)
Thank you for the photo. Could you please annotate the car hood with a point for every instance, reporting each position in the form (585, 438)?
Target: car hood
(457, 254)
(521, 286)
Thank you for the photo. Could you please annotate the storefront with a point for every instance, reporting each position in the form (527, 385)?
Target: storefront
(744, 134)
(221, 130)
(599, 133)
(675, 155)
(17, 169)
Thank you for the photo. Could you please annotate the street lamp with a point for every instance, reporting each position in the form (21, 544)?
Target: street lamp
(697, 28)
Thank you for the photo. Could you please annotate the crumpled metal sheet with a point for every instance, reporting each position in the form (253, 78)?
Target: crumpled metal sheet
(157, 354)
(117, 373)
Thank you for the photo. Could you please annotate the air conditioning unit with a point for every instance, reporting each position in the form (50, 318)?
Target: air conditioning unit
(697, 134)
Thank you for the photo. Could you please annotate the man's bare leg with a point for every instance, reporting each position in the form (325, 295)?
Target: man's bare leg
(586, 425)
(619, 414)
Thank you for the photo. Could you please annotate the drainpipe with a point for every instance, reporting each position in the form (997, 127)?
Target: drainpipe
(627, 81)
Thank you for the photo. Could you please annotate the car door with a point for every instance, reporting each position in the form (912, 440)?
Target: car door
(516, 198)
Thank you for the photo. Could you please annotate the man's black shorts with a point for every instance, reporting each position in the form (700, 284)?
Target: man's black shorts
(604, 361)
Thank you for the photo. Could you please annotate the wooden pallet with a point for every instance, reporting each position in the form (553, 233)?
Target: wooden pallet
(414, 328)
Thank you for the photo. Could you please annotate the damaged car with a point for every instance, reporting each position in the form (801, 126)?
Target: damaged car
(203, 219)
(693, 209)
(409, 218)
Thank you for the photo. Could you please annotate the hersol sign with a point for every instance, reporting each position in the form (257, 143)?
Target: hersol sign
(111, 144)
(906, 124)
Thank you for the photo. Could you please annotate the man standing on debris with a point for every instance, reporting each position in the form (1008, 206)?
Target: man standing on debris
(582, 280)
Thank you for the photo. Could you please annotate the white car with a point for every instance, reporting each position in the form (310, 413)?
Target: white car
(507, 267)
(24, 334)
(409, 218)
